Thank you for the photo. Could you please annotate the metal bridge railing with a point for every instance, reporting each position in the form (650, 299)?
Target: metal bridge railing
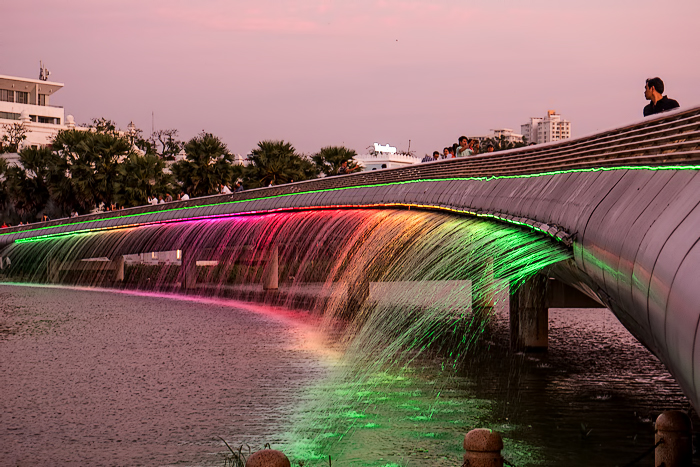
(668, 139)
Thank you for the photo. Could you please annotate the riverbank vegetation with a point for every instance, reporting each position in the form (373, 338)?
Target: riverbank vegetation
(99, 167)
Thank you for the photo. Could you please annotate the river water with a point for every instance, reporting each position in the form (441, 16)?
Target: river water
(91, 377)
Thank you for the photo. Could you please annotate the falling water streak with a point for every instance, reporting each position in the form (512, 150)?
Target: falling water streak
(437, 274)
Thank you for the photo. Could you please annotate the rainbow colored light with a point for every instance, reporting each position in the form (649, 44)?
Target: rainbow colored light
(346, 206)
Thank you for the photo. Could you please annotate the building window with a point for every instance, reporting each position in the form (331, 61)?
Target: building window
(42, 99)
(22, 97)
(50, 120)
(7, 96)
(9, 115)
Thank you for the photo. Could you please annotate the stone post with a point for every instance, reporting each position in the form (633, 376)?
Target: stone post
(483, 448)
(529, 315)
(268, 458)
(271, 270)
(674, 430)
(119, 269)
(188, 269)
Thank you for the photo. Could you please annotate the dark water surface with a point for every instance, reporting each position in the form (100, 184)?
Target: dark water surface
(103, 378)
(100, 378)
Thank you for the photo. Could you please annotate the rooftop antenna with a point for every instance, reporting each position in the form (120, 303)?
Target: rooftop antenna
(43, 71)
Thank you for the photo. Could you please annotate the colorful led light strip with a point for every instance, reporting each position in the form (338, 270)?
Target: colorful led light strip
(289, 209)
(326, 190)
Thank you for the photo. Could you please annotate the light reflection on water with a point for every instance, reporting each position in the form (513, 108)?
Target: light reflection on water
(95, 379)
(590, 400)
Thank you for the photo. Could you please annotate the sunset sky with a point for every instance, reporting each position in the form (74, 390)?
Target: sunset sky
(324, 72)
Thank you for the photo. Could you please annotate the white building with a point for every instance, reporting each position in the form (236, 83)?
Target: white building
(385, 157)
(27, 101)
(543, 130)
(505, 133)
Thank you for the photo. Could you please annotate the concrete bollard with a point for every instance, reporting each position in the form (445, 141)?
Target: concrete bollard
(483, 448)
(674, 429)
(268, 458)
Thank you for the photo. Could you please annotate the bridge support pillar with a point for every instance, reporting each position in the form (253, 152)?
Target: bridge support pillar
(358, 293)
(484, 289)
(119, 269)
(53, 267)
(271, 270)
(188, 269)
(529, 315)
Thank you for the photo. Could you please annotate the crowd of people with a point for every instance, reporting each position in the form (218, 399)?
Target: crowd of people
(463, 148)
(653, 92)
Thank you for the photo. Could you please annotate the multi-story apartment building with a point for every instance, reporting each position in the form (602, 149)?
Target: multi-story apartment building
(543, 130)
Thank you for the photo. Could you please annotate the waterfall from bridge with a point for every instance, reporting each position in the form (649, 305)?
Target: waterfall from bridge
(389, 285)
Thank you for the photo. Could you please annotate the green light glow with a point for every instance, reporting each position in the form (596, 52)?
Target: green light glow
(376, 185)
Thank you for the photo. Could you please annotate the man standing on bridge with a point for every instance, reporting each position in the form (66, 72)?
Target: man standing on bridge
(463, 150)
(653, 91)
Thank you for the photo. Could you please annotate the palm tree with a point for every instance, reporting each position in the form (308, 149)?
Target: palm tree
(207, 166)
(276, 162)
(28, 183)
(92, 159)
(3, 183)
(329, 159)
(143, 177)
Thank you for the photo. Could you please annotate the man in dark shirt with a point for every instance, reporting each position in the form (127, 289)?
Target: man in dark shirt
(653, 91)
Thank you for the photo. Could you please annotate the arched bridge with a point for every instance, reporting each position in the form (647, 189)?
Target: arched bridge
(627, 201)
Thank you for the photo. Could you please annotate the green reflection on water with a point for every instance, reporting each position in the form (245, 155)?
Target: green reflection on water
(410, 419)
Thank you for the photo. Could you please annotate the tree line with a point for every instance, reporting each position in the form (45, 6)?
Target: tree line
(102, 167)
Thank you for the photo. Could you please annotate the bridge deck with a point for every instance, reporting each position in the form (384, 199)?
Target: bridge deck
(626, 200)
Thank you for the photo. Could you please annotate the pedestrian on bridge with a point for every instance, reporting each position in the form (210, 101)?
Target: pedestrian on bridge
(653, 91)
(463, 150)
(429, 158)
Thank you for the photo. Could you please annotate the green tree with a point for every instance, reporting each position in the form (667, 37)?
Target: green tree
(103, 125)
(276, 162)
(143, 177)
(166, 144)
(3, 186)
(501, 143)
(207, 166)
(28, 184)
(329, 159)
(92, 160)
(14, 134)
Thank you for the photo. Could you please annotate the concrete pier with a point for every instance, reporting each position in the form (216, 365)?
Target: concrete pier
(188, 269)
(529, 315)
(270, 277)
(484, 288)
(118, 265)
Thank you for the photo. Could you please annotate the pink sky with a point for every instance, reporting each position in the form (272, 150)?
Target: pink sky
(325, 72)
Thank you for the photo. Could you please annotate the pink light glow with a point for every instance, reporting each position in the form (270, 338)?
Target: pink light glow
(304, 322)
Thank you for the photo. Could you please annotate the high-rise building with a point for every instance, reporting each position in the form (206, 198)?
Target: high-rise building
(543, 130)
